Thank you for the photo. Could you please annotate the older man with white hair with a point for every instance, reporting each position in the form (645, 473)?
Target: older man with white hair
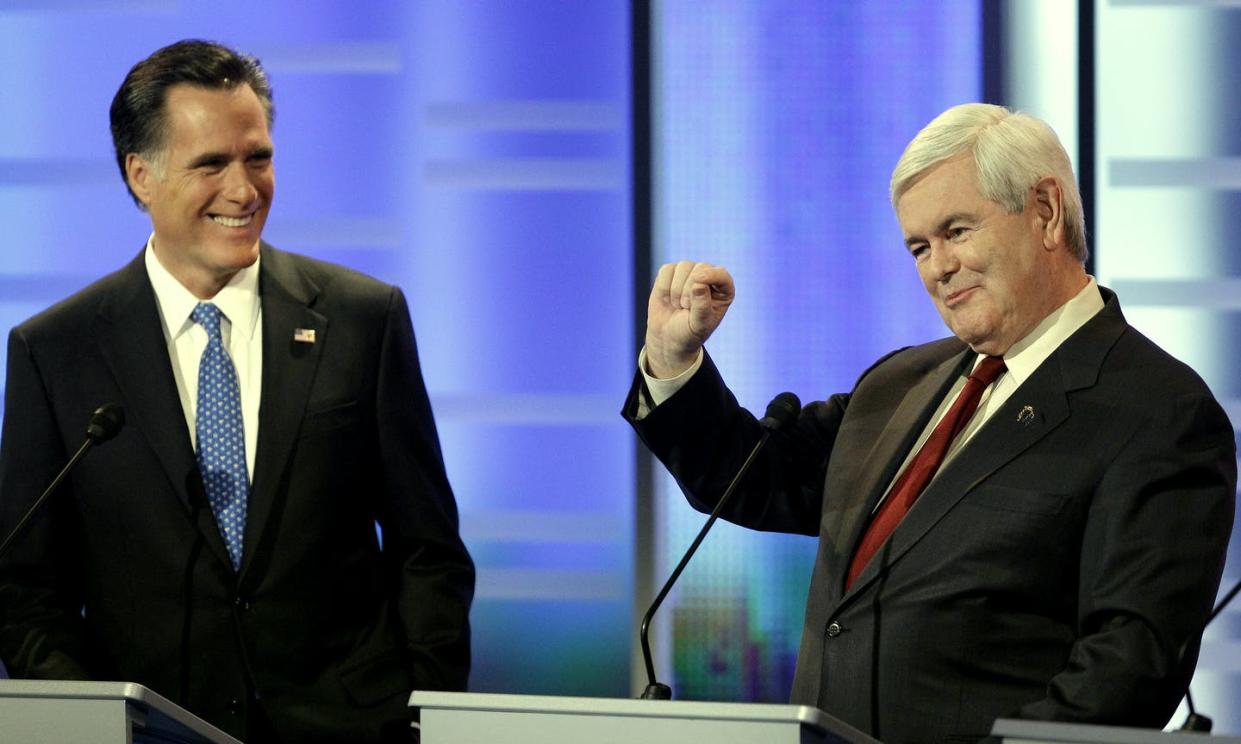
(1026, 519)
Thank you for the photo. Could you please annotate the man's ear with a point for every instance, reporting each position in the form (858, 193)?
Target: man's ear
(1049, 212)
(140, 173)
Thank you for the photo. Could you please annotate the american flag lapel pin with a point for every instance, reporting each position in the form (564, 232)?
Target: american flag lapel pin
(304, 335)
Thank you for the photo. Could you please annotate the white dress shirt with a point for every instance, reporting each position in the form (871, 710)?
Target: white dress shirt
(241, 330)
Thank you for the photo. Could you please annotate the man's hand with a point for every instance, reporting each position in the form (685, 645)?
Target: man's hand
(687, 304)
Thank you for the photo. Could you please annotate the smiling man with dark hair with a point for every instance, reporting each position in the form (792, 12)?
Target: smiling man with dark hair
(222, 550)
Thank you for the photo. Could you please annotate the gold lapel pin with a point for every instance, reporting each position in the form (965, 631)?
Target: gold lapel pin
(304, 335)
(1025, 416)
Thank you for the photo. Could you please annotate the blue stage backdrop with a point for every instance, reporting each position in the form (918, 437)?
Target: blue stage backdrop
(776, 127)
(475, 153)
(1168, 207)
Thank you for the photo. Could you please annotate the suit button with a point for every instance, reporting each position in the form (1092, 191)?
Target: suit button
(242, 603)
(834, 629)
(236, 707)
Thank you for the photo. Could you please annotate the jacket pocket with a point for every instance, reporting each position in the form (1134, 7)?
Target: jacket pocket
(377, 678)
(1019, 500)
(330, 418)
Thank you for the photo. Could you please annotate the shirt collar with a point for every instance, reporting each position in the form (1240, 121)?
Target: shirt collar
(239, 300)
(1026, 355)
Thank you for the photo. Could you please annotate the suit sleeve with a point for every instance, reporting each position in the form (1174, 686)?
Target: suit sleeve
(702, 435)
(422, 544)
(41, 629)
(1152, 555)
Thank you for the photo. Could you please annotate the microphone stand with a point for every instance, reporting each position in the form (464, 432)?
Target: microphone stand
(783, 409)
(104, 424)
(1194, 721)
(658, 690)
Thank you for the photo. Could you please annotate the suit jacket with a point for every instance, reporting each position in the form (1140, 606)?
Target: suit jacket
(323, 632)
(1062, 566)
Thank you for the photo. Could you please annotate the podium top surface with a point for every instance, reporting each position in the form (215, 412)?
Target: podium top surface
(625, 707)
(79, 690)
(1010, 729)
(155, 705)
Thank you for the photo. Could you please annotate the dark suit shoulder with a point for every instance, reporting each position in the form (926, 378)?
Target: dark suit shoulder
(316, 281)
(1145, 367)
(915, 361)
(1109, 354)
(70, 316)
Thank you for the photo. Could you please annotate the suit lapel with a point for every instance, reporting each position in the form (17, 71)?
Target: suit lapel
(1001, 439)
(132, 344)
(289, 368)
(1073, 366)
(889, 450)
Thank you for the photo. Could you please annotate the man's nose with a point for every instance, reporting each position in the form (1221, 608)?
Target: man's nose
(237, 186)
(944, 262)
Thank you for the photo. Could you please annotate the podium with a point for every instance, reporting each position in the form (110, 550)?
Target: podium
(1011, 731)
(55, 712)
(477, 718)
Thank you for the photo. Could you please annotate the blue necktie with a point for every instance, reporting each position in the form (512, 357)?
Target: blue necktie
(221, 434)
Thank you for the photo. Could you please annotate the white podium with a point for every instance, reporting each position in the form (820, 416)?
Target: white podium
(1011, 731)
(53, 712)
(475, 718)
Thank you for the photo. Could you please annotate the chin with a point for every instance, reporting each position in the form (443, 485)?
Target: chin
(985, 344)
(978, 340)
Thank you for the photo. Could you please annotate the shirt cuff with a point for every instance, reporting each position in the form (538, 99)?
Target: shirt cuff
(661, 390)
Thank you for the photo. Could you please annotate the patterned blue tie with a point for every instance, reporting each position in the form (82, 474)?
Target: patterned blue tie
(221, 434)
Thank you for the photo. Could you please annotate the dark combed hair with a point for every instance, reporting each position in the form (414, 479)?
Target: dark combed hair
(139, 121)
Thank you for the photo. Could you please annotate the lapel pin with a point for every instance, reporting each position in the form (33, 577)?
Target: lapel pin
(304, 335)
(1025, 416)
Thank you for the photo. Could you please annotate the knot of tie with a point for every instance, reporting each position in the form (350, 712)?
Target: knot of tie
(988, 370)
(208, 316)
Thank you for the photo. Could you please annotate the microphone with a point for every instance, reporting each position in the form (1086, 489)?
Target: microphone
(105, 423)
(781, 411)
(1194, 721)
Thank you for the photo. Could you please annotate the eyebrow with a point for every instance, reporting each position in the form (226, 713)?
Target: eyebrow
(943, 225)
(211, 159)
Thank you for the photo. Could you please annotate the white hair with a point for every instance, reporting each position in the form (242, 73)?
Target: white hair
(1012, 151)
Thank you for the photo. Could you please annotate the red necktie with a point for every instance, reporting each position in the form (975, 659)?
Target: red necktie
(922, 468)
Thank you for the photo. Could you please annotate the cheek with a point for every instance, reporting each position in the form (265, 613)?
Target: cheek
(265, 183)
(198, 198)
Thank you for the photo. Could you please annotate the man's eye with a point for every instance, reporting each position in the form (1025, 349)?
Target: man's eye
(918, 251)
(957, 233)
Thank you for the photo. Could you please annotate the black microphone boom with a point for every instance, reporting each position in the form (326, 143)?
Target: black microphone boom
(781, 411)
(105, 423)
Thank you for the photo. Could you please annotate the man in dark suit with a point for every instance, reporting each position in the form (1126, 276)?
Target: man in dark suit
(1028, 519)
(222, 549)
